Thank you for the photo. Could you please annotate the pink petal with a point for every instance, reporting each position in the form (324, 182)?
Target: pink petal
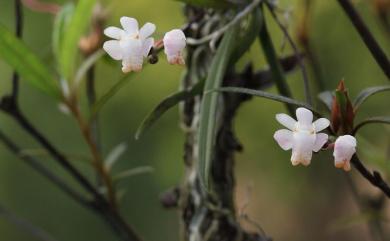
(304, 116)
(113, 49)
(286, 121)
(321, 139)
(321, 124)
(129, 24)
(113, 32)
(147, 46)
(284, 138)
(147, 30)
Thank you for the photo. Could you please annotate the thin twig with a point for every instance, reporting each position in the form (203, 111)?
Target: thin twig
(275, 67)
(19, 33)
(97, 161)
(36, 165)
(374, 178)
(366, 36)
(219, 32)
(296, 52)
(25, 225)
(91, 97)
(110, 215)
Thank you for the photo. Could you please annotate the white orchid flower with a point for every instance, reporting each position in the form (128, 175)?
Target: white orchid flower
(130, 44)
(302, 136)
(344, 148)
(174, 43)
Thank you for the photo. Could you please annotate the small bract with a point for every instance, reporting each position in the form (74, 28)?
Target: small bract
(344, 148)
(131, 44)
(174, 44)
(302, 136)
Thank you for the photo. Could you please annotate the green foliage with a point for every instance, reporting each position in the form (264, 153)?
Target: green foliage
(109, 94)
(266, 95)
(114, 155)
(273, 61)
(165, 105)
(366, 93)
(60, 26)
(26, 63)
(372, 120)
(69, 46)
(209, 106)
(326, 97)
(133, 172)
(248, 36)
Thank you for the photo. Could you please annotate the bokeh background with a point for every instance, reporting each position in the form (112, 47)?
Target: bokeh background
(290, 203)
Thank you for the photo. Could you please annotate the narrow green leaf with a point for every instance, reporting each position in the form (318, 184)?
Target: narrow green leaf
(326, 97)
(60, 25)
(248, 36)
(26, 63)
(273, 61)
(209, 105)
(165, 105)
(110, 93)
(87, 64)
(372, 120)
(133, 172)
(366, 93)
(266, 95)
(114, 155)
(74, 31)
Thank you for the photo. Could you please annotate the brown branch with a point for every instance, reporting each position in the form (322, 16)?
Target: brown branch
(374, 178)
(366, 36)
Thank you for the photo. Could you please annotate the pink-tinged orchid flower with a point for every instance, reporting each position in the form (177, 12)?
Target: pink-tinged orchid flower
(302, 136)
(174, 43)
(130, 44)
(344, 148)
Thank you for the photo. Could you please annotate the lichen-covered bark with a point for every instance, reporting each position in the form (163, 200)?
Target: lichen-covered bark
(206, 217)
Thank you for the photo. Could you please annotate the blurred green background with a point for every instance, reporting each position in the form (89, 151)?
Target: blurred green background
(290, 203)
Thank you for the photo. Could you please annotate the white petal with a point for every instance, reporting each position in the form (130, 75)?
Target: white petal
(113, 49)
(344, 148)
(174, 42)
(176, 59)
(321, 124)
(113, 32)
(147, 30)
(302, 147)
(129, 24)
(286, 121)
(321, 139)
(301, 157)
(132, 64)
(147, 46)
(284, 138)
(304, 116)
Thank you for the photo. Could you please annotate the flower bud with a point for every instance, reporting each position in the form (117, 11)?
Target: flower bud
(344, 148)
(174, 43)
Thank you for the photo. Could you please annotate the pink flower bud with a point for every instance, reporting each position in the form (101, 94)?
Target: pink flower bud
(174, 43)
(344, 148)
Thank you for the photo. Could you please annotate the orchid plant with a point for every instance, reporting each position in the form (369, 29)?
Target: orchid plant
(208, 47)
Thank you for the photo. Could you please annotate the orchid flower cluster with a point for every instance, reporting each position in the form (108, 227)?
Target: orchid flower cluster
(303, 137)
(132, 45)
